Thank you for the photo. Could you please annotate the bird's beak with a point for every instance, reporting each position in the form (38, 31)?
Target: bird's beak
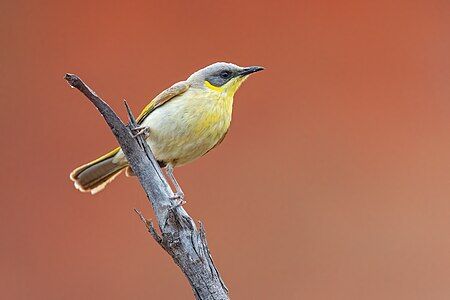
(250, 70)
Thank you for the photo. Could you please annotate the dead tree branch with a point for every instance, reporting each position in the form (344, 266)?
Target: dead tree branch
(180, 237)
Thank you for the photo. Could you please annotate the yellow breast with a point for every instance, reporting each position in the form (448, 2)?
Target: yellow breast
(216, 114)
(190, 125)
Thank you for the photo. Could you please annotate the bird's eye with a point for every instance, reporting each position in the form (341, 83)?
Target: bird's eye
(225, 74)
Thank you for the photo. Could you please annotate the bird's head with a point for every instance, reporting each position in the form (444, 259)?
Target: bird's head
(222, 77)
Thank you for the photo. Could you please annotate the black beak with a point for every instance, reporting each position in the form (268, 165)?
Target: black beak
(250, 70)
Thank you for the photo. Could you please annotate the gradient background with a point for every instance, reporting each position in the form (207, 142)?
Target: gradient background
(333, 183)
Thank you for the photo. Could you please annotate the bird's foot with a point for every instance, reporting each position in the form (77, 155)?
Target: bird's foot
(179, 197)
(137, 131)
(178, 204)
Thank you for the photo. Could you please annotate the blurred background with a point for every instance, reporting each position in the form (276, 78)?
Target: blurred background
(333, 182)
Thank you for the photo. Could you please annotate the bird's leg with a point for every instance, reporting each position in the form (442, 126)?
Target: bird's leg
(179, 192)
(145, 130)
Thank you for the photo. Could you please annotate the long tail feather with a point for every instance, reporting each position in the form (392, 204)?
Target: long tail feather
(94, 176)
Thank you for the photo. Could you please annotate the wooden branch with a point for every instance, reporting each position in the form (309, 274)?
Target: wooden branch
(180, 237)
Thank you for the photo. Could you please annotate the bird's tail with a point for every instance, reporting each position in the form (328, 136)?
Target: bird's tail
(94, 176)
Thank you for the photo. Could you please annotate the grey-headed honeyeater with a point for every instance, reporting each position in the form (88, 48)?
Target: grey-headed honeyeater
(181, 124)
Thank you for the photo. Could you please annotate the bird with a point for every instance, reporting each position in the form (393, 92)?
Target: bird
(181, 124)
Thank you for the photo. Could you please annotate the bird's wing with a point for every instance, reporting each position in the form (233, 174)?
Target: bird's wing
(170, 93)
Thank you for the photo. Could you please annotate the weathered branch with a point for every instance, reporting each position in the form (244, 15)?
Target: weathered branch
(180, 237)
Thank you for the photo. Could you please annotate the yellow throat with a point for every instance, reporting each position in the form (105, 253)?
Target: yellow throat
(219, 115)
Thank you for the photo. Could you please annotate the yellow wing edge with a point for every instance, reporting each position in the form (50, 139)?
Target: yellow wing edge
(74, 174)
(169, 93)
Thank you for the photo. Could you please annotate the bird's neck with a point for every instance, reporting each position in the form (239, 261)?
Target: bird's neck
(225, 103)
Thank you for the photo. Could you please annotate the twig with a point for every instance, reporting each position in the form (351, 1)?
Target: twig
(150, 227)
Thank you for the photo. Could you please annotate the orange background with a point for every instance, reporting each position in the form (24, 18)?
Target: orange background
(333, 182)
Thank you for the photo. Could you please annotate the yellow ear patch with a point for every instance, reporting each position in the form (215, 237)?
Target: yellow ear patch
(212, 87)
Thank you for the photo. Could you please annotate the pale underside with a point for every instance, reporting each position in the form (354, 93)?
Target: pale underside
(187, 126)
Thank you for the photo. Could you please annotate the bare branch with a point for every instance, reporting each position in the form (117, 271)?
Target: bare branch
(180, 237)
(150, 227)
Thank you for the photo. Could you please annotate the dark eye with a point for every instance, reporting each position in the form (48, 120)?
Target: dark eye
(225, 74)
